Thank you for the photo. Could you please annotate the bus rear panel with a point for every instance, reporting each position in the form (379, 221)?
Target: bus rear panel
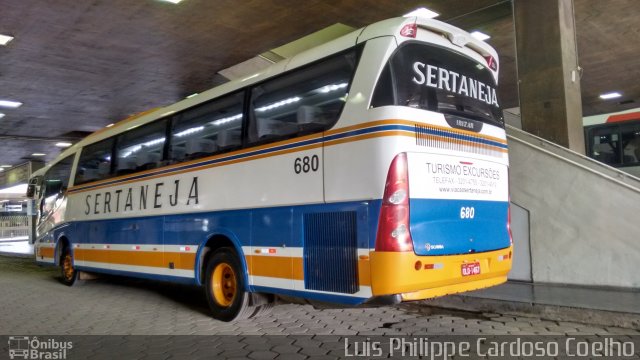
(443, 225)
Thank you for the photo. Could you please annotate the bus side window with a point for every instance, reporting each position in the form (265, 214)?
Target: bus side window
(605, 145)
(207, 129)
(58, 176)
(55, 183)
(631, 143)
(305, 101)
(141, 148)
(95, 162)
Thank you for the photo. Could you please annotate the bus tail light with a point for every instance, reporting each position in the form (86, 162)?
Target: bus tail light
(491, 62)
(409, 30)
(393, 225)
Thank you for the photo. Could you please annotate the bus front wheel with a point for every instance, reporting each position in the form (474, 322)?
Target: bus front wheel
(225, 287)
(70, 276)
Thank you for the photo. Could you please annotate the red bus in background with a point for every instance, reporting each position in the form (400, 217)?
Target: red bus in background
(614, 139)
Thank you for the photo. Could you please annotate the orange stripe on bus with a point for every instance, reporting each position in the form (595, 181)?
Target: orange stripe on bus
(370, 136)
(412, 123)
(411, 134)
(284, 267)
(273, 266)
(623, 117)
(46, 252)
(184, 261)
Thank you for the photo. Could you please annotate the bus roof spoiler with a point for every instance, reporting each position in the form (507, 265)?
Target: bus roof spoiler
(457, 37)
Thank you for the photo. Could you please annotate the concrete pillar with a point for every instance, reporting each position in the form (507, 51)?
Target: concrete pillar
(549, 82)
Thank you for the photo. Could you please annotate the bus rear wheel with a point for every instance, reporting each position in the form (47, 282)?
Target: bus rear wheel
(70, 276)
(225, 287)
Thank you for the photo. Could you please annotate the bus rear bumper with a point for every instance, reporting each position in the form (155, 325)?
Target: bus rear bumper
(453, 289)
(422, 277)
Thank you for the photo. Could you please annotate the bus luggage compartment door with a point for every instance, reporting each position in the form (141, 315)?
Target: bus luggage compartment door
(458, 205)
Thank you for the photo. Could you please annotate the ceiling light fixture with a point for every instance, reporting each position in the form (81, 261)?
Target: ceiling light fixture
(480, 35)
(422, 13)
(10, 104)
(4, 39)
(63, 144)
(1, 115)
(610, 95)
(173, 1)
(192, 95)
(38, 154)
(6, 166)
(110, 125)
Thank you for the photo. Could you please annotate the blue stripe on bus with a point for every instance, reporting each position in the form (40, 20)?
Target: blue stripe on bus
(374, 129)
(275, 224)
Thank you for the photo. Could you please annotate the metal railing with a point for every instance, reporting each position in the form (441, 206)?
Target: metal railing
(570, 157)
(14, 227)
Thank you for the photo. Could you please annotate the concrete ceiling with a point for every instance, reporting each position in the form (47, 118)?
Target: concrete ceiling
(80, 65)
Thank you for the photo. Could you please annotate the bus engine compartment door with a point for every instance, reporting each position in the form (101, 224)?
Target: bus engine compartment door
(458, 205)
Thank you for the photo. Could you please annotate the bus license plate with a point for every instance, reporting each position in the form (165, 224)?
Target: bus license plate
(471, 269)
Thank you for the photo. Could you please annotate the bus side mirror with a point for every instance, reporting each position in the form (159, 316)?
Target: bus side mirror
(31, 191)
(33, 186)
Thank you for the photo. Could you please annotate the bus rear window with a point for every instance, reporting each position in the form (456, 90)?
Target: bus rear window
(437, 79)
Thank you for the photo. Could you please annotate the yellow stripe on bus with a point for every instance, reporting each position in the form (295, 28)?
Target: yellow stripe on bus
(159, 259)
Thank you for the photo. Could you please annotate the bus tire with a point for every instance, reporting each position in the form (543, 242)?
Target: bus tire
(70, 276)
(263, 310)
(225, 287)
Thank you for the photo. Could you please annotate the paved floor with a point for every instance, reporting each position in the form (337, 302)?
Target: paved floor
(609, 299)
(32, 301)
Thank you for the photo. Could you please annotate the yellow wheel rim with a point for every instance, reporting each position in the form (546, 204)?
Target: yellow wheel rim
(224, 285)
(67, 267)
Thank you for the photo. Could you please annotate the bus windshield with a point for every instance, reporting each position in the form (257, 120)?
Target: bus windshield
(433, 78)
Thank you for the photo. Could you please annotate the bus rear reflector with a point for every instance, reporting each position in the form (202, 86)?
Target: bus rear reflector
(409, 30)
(393, 225)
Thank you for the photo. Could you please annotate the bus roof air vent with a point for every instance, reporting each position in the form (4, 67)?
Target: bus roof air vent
(458, 39)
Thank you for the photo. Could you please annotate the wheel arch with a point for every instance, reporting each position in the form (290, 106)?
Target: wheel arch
(216, 240)
(61, 243)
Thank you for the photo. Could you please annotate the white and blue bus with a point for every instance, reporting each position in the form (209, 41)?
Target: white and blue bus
(372, 169)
